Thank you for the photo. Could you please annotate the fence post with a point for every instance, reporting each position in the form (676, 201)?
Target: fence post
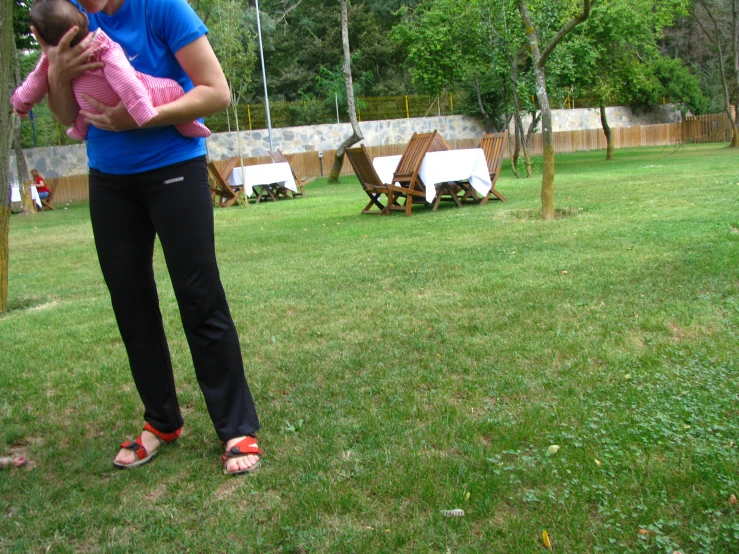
(451, 103)
(407, 112)
(248, 114)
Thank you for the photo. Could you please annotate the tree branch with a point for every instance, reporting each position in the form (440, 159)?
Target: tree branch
(571, 24)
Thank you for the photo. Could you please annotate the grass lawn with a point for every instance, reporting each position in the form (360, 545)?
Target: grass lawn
(403, 367)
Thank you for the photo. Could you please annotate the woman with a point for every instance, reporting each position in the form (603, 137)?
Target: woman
(153, 182)
(40, 184)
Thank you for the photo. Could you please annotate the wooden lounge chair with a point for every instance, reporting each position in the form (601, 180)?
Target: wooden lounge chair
(370, 181)
(406, 181)
(279, 157)
(492, 144)
(225, 194)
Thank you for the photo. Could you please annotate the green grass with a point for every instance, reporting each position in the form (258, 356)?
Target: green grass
(405, 366)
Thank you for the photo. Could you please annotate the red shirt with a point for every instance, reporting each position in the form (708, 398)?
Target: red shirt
(39, 186)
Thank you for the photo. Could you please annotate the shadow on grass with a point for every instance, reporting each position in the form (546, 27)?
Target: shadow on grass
(535, 213)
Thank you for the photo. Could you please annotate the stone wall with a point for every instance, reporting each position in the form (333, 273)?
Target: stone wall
(58, 161)
(619, 116)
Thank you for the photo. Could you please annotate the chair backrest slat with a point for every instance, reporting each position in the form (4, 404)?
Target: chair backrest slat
(279, 157)
(492, 145)
(363, 168)
(439, 144)
(412, 158)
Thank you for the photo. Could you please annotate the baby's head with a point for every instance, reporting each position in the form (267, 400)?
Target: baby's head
(53, 18)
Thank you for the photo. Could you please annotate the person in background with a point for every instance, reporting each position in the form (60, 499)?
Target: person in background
(43, 191)
(152, 181)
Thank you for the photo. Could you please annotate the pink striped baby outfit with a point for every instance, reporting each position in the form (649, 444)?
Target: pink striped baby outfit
(116, 81)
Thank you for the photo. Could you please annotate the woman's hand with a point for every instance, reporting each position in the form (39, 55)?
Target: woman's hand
(110, 118)
(68, 62)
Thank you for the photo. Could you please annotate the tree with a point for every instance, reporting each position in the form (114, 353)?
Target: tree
(6, 81)
(540, 58)
(234, 47)
(622, 60)
(356, 136)
(723, 35)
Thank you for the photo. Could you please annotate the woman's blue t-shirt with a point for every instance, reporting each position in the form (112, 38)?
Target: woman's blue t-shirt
(150, 32)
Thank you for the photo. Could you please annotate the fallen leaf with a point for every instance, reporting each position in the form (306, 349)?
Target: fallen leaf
(545, 540)
(645, 532)
(732, 499)
(627, 376)
(565, 272)
(467, 497)
(597, 462)
(553, 449)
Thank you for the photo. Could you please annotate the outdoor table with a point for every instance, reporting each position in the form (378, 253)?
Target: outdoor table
(15, 194)
(267, 180)
(458, 166)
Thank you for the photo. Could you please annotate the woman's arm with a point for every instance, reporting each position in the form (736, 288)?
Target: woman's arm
(209, 96)
(65, 64)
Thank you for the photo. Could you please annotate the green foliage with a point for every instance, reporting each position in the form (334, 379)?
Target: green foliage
(680, 85)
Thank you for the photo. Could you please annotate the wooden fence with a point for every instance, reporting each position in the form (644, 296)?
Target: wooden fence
(713, 128)
(706, 128)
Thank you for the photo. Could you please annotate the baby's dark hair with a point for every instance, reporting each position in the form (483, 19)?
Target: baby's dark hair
(53, 18)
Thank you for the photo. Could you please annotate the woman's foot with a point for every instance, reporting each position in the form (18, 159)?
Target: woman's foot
(127, 457)
(242, 455)
(144, 448)
(18, 461)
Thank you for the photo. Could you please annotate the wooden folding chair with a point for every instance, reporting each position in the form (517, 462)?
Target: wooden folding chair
(370, 181)
(48, 202)
(446, 191)
(492, 144)
(279, 157)
(406, 181)
(439, 144)
(220, 189)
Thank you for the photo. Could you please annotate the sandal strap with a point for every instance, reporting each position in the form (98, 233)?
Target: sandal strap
(244, 447)
(166, 438)
(137, 447)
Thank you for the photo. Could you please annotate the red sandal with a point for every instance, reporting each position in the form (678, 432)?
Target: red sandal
(138, 448)
(245, 447)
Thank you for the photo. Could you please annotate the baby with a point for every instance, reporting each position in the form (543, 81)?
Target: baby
(116, 81)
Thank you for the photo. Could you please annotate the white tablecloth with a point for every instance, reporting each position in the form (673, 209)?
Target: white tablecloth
(15, 193)
(440, 167)
(251, 175)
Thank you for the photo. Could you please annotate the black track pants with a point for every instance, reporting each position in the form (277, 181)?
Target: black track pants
(173, 202)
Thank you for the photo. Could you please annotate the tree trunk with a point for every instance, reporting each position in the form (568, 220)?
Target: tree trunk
(540, 58)
(716, 40)
(6, 79)
(29, 207)
(516, 145)
(527, 143)
(483, 111)
(735, 46)
(518, 126)
(606, 132)
(547, 177)
(333, 176)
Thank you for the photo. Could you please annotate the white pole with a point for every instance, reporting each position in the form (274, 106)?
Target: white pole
(336, 98)
(264, 78)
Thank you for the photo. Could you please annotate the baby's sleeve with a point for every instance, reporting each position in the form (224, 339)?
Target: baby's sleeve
(34, 88)
(122, 77)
